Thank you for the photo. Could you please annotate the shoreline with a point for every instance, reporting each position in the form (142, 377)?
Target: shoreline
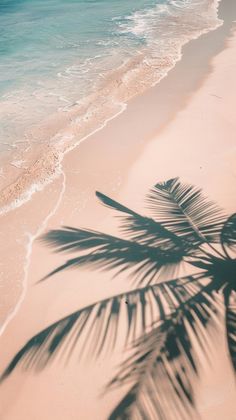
(65, 134)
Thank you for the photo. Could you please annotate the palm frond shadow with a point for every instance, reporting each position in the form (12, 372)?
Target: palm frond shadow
(164, 361)
(166, 316)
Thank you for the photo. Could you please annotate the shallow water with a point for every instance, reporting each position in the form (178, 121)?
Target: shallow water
(144, 44)
(80, 62)
(52, 53)
(55, 52)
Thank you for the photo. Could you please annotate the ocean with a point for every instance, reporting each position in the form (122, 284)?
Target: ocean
(84, 59)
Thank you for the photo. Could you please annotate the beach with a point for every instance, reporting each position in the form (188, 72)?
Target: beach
(182, 127)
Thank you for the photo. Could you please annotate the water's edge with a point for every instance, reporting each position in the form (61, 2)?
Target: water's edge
(58, 154)
(64, 131)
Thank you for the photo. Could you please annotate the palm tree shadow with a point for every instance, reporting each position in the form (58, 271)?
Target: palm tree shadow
(165, 313)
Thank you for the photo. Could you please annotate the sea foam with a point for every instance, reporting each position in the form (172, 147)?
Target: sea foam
(150, 44)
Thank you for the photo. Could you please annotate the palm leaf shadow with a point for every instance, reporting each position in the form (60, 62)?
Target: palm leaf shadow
(103, 317)
(185, 230)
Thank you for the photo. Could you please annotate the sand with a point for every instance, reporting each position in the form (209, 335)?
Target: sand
(183, 127)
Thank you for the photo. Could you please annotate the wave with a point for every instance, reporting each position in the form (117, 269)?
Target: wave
(75, 122)
(164, 29)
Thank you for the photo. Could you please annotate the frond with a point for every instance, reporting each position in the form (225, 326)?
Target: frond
(97, 326)
(163, 366)
(182, 209)
(102, 251)
(144, 230)
(228, 233)
(231, 327)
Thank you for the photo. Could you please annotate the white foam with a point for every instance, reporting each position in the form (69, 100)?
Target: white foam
(27, 195)
(31, 238)
(165, 21)
(60, 141)
(138, 27)
(136, 23)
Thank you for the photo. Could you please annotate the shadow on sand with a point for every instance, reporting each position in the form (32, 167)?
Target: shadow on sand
(174, 312)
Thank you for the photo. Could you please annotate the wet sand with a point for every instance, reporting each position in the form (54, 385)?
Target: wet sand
(183, 127)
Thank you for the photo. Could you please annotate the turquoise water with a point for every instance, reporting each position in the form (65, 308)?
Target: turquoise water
(53, 53)
(40, 37)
